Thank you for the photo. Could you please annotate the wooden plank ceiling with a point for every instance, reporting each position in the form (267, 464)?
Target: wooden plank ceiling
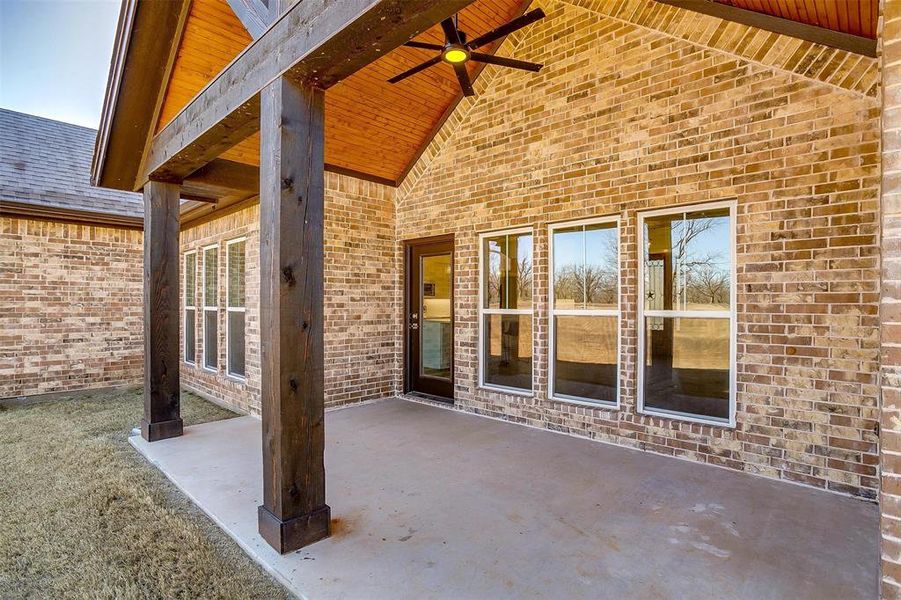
(855, 17)
(373, 128)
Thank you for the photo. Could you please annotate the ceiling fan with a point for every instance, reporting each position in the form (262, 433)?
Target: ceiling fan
(456, 51)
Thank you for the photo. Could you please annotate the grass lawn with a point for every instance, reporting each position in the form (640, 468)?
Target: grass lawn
(83, 515)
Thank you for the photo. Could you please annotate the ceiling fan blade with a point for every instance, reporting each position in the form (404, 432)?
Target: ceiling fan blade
(450, 31)
(423, 45)
(415, 70)
(463, 78)
(505, 62)
(508, 28)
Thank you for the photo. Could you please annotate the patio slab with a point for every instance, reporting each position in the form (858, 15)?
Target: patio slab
(434, 503)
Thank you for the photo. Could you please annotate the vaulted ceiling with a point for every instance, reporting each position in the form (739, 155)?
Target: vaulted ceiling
(373, 128)
(166, 53)
(855, 17)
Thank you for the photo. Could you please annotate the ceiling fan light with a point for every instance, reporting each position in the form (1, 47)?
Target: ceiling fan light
(456, 55)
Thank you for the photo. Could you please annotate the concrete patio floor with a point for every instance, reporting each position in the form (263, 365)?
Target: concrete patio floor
(432, 503)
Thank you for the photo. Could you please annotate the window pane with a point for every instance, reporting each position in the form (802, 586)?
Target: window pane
(586, 269)
(519, 248)
(569, 273)
(190, 336)
(493, 253)
(687, 261)
(190, 279)
(210, 277)
(687, 366)
(508, 350)
(601, 266)
(236, 343)
(210, 339)
(436, 332)
(585, 357)
(236, 274)
(508, 271)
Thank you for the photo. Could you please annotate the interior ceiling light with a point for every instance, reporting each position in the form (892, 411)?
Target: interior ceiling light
(456, 51)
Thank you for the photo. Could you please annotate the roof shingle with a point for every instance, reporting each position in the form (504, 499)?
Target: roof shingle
(47, 163)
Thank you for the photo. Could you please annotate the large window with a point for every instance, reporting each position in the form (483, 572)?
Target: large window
(584, 323)
(211, 308)
(191, 307)
(686, 320)
(235, 307)
(505, 311)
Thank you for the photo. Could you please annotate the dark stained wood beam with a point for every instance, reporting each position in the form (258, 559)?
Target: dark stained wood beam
(811, 33)
(147, 31)
(316, 41)
(292, 206)
(227, 175)
(162, 412)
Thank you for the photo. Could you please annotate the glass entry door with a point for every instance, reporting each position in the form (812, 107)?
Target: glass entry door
(430, 318)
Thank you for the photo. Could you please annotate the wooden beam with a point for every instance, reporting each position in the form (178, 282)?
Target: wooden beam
(184, 10)
(292, 205)
(228, 175)
(162, 418)
(811, 33)
(315, 41)
(234, 176)
(147, 31)
(252, 14)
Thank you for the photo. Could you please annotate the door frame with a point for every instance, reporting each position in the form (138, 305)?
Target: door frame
(409, 245)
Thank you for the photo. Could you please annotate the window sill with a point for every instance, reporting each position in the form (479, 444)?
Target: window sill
(612, 406)
(675, 416)
(507, 390)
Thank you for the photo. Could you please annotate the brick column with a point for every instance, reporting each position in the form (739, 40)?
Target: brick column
(890, 419)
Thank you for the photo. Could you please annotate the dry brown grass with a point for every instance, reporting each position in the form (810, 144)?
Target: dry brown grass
(82, 515)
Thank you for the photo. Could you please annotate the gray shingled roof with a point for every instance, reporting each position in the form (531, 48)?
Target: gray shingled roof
(48, 163)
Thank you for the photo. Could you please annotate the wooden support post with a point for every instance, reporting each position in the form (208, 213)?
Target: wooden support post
(162, 418)
(294, 513)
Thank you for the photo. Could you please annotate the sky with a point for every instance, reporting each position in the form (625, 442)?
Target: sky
(55, 56)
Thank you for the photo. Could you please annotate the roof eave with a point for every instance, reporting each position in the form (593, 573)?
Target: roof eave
(146, 38)
(113, 82)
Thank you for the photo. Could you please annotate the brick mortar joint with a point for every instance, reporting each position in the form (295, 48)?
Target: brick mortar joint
(764, 65)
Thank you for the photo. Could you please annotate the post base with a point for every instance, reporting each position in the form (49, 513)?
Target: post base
(153, 432)
(293, 534)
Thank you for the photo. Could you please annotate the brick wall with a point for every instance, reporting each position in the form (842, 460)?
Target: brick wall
(890, 459)
(71, 315)
(360, 290)
(243, 395)
(634, 115)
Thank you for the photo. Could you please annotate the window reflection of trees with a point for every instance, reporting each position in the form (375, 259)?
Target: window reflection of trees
(697, 273)
(591, 280)
(703, 278)
(687, 284)
(521, 273)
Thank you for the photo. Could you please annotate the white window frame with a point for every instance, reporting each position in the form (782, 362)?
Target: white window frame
(230, 309)
(710, 314)
(553, 312)
(187, 307)
(206, 309)
(503, 311)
